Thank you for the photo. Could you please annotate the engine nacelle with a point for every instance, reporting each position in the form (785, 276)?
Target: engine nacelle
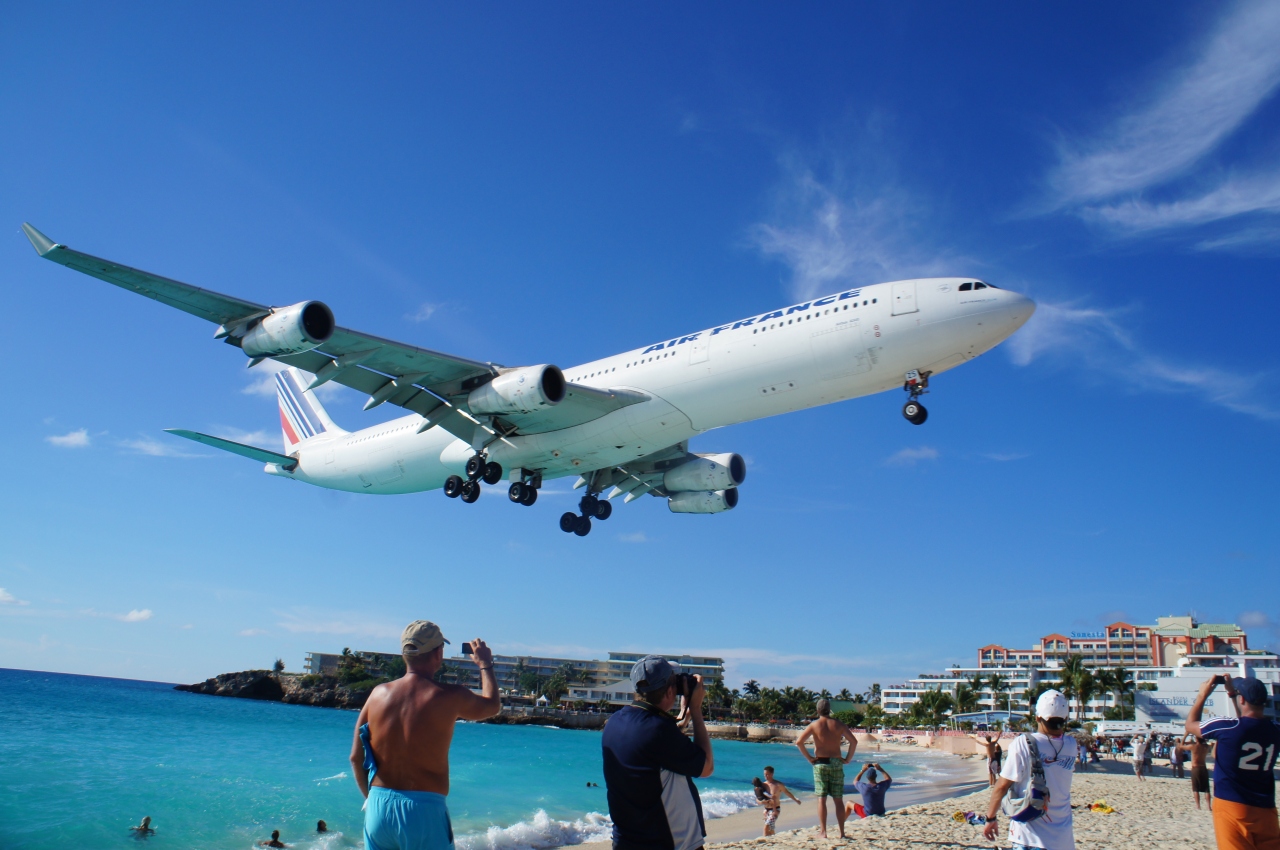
(290, 330)
(703, 501)
(706, 472)
(519, 391)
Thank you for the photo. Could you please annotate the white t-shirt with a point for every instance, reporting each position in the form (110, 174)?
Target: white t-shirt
(1053, 830)
(1139, 749)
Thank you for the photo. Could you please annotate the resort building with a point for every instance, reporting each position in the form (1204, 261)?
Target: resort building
(1174, 695)
(1151, 653)
(590, 680)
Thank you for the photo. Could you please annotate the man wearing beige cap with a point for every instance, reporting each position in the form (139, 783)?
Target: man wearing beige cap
(400, 755)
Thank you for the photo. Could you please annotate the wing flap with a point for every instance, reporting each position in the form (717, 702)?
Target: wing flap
(580, 405)
(251, 452)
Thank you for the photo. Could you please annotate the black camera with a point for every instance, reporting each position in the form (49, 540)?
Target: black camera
(685, 684)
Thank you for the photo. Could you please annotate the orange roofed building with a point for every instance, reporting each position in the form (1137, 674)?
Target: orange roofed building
(1124, 644)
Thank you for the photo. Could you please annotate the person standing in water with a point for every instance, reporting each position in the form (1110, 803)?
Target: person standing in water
(400, 751)
(143, 828)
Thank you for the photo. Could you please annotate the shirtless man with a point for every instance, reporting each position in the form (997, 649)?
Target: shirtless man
(1199, 769)
(776, 789)
(991, 746)
(400, 752)
(828, 765)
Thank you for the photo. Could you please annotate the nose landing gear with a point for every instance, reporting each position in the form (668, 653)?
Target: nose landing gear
(916, 385)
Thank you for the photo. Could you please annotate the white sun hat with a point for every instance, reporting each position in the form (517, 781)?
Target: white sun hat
(1052, 704)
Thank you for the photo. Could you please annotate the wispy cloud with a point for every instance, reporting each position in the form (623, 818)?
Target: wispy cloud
(262, 382)
(1187, 115)
(1096, 339)
(424, 312)
(77, 439)
(1264, 630)
(7, 598)
(156, 448)
(260, 437)
(635, 537)
(910, 457)
(137, 615)
(846, 231)
(251, 632)
(1005, 457)
(301, 621)
(1159, 142)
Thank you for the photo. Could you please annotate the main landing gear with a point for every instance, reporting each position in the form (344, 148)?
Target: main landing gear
(917, 384)
(479, 468)
(580, 523)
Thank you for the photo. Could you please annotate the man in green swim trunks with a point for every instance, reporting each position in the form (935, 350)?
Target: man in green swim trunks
(400, 752)
(828, 765)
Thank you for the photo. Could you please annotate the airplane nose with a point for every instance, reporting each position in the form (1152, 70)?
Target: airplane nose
(1019, 310)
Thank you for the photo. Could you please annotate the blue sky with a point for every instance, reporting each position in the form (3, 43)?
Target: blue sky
(557, 183)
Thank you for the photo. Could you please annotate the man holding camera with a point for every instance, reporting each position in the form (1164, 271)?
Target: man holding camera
(649, 764)
(1057, 752)
(1243, 783)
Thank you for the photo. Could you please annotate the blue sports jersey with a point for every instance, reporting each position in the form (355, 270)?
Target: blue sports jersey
(1246, 756)
(648, 770)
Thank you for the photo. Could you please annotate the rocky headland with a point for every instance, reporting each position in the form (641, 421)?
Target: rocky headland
(323, 691)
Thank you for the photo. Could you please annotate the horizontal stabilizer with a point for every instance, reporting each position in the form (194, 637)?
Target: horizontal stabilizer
(251, 452)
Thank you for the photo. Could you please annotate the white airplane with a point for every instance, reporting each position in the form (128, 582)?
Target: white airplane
(622, 423)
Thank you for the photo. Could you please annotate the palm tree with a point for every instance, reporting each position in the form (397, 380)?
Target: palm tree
(966, 699)
(1071, 675)
(1086, 689)
(845, 695)
(998, 685)
(1119, 682)
(751, 688)
(824, 694)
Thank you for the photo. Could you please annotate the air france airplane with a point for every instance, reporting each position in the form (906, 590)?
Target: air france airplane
(622, 424)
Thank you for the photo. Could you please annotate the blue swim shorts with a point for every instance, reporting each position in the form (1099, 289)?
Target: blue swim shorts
(406, 820)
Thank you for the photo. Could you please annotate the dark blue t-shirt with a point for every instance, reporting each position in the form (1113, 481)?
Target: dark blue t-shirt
(1245, 758)
(873, 795)
(648, 770)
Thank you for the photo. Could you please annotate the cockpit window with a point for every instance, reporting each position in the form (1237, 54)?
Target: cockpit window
(965, 287)
(979, 285)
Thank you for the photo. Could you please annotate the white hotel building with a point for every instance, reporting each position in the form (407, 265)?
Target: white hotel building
(1152, 653)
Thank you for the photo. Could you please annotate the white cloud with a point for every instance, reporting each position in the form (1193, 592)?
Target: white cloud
(1236, 196)
(262, 379)
(135, 616)
(1005, 457)
(1096, 339)
(7, 598)
(77, 439)
(250, 438)
(1186, 117)
(155, 448)
(1255, 620)
(188, 626)
(301, 621)
(423, 313)
(910, 457)
(251, 632)
(635, 537)
(846, 232)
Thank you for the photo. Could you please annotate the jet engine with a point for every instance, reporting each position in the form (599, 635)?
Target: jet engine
(290, 330)
(707, 472)
(703, 501)
(519, 391)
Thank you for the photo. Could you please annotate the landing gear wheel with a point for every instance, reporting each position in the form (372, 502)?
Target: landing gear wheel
(470, 491)
(568, 522)
(516, 493)
(582, 526)
(530, 496)
(492, 472)
(588, 505)
(453, 486)
(475, 466)
(604, 510)
(915, 412)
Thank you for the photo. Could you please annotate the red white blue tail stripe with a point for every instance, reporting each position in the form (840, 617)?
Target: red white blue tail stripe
(300, 418)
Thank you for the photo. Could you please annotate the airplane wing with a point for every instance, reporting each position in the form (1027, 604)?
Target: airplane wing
(241, 449)
(430, 383)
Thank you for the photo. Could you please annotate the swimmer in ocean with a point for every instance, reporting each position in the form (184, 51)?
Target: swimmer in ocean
(275, 840)
(143, 828)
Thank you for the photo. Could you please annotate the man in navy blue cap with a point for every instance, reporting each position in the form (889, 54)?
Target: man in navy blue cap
(649, 764)
(1245, 812)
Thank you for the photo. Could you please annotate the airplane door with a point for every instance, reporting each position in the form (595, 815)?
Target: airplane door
(699, 350)
(839, 351)
(904, 297)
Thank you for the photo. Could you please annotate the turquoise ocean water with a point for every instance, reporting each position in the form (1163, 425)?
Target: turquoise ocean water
(83, 758)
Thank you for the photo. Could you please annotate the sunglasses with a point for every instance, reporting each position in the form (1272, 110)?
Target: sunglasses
(1055, 723)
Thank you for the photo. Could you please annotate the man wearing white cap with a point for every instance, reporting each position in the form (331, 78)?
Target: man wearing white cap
(400, 755)
(1038, 782)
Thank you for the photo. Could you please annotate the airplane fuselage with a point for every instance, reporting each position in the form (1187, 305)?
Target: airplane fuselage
(842, 346)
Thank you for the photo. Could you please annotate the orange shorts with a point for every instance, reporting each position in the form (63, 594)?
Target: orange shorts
(1241, 827)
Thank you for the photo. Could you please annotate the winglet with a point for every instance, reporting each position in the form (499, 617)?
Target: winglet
(43, 244)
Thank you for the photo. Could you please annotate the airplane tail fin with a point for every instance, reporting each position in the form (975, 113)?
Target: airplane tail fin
(302, 416)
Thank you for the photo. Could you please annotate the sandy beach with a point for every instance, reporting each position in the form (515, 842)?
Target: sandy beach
(1159, 812)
